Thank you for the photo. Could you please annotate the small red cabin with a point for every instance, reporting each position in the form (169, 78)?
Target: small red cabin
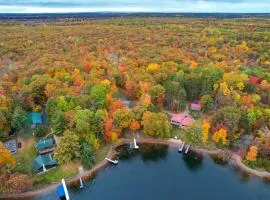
(195, 106)
(2, 92)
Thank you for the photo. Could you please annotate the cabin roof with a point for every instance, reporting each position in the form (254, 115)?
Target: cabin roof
(11, 146)
(182, 119)
(2, 91)
(126, 102)
(195, 105)
(45, 159)
(44, 144)
(35, 118)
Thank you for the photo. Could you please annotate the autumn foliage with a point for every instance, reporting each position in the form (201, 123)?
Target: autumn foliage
(134, 125)
(220, 135)
(252, 153)
(98, 79)
(205, 131)
(108, 126)
(18, 182)
(115, 105)
(6, 159)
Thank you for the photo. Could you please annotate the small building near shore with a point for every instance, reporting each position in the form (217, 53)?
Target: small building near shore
(181, 120)
(43, 162)
(35, 119)
(45, 145)
(195, 106)
(2, 91)
(11, 145)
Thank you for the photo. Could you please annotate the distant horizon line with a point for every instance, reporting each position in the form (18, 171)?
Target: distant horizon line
(134, 12)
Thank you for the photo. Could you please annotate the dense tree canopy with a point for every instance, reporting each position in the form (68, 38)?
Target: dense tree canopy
(20, 119)
(156, 124)
(100, 79)
(68, 149)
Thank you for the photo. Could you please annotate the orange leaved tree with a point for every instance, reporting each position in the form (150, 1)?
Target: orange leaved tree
(134, 126)
(221, 134)
(252, 153)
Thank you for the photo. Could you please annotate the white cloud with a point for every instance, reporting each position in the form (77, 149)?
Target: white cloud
(145, 6)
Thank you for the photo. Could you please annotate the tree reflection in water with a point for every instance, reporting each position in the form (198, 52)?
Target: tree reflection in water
(193, 160)
(148, 152)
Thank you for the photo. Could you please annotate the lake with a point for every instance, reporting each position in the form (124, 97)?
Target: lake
(159, 172)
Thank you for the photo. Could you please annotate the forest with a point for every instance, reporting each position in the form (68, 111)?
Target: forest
(96, 81)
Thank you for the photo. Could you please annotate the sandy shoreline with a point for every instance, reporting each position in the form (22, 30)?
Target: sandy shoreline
(111, 154)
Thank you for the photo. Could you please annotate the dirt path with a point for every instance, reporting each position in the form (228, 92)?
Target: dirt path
(112, 153)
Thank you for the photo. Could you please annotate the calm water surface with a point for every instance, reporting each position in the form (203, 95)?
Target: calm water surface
(161, 173)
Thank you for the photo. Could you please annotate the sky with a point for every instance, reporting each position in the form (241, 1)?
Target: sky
(196, 6)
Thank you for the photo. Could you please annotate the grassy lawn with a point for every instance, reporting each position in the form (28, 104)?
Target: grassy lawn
(179, 133)
(101, 153)
(56, 174)
(25, 156)
(259, 164)
(182, 135)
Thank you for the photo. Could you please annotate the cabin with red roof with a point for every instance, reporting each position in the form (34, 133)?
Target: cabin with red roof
(2, 91)
(181, 120)
(195, 106)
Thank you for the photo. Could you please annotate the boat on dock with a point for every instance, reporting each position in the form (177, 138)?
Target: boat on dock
(62, 191)
(112, 161)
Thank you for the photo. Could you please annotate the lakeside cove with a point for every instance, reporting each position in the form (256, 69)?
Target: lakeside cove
(112, 153)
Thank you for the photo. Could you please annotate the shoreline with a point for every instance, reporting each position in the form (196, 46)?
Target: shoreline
(112, 153)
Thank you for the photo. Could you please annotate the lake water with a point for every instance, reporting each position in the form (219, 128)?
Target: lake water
(161, 173)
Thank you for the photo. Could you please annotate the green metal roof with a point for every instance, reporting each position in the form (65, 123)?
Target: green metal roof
(43, 159)
(35, 118)
(44, 144)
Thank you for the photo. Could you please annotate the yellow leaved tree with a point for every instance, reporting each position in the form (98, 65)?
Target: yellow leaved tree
(221, 134)
(145, 100)
(205, 131)
(152, 67)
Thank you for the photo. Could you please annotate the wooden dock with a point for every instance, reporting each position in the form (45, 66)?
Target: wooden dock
(135, 144)
(182, 147)
(65, 189)
(112, 161)
(81, 183)
(187, 149)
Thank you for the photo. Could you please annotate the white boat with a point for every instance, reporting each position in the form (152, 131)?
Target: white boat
(112, 161)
